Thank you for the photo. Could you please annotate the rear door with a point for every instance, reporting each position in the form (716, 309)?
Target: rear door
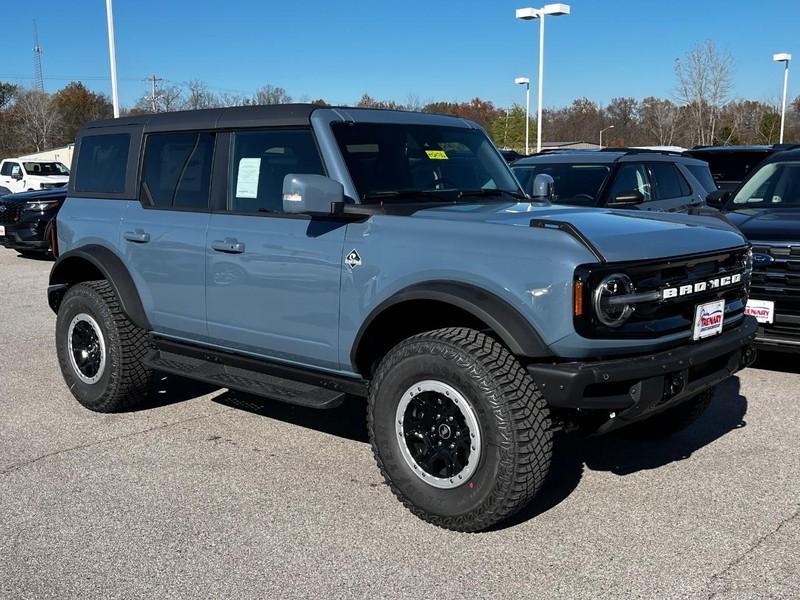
(163, 233)
(273, 278)
(671, 191)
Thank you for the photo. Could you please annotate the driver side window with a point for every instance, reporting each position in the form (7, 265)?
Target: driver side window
(631, 177)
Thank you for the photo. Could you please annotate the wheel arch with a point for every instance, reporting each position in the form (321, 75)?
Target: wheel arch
(94, 262)
(437, 304)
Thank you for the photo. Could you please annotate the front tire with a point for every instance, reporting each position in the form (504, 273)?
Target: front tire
(459, 430)
(100, 351)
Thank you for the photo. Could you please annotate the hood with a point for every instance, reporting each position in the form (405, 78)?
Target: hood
(52, 194)
(48, 178)
(618, 235)
(767, 224)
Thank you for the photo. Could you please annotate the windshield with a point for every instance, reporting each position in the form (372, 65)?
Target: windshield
(387, 159)
(576, 184)
(45, 168)
(775, 185)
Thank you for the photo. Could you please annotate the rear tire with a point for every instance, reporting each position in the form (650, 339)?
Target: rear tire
(673, 420)
(100, 351)
(459, 388)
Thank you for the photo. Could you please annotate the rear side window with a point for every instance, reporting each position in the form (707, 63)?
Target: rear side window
(103, 163)
(668, 181)
(259, 162)
(703, 174)
(176, 172)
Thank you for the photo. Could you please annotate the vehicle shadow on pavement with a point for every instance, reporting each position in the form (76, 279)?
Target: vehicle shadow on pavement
(171, 389)
(785, 362)
(623, 455)
(346, 421)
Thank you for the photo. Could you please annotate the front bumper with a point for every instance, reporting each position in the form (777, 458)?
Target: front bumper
(635, 388)
(27, 235)
(781, 336)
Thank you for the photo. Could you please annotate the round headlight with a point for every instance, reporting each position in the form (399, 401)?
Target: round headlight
(608, 312)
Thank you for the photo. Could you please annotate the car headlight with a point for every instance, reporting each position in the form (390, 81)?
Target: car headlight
(608, 311)
(40, 205)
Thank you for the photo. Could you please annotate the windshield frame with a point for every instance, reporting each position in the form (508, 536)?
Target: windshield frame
(506, 187)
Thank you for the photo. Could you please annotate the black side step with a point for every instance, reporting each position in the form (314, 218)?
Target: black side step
(272, 380)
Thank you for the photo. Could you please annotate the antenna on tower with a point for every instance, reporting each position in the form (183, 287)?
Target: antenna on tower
(38, 82)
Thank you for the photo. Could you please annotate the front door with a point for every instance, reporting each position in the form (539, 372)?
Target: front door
(163, 234)
(272, 280)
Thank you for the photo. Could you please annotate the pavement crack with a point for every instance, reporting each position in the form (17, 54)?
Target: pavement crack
(123, 436)
(752, 548)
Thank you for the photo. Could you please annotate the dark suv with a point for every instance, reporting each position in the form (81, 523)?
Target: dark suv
(621, 178)
(27, 220)
(730, 164)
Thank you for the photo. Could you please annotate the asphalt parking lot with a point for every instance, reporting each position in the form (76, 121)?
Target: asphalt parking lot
(211, 494)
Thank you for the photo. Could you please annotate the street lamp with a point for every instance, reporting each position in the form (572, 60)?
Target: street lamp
(783, 57)
(527, 83)
(113, 58)
(527, 14)
(601, 135)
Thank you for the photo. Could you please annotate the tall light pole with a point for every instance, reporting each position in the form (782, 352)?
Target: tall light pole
(113, 55)
(601, 135)
(527, 14)
(527, 83)
(783, 57)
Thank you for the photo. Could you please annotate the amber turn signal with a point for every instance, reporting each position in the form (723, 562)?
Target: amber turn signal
(577, 298)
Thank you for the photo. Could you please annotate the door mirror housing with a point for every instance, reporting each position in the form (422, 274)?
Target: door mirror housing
(718, 198)
(310, 194)
(625, 199)
(544, 188)
(17, 176)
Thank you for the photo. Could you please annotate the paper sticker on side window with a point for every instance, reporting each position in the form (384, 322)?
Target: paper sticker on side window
(247, 179)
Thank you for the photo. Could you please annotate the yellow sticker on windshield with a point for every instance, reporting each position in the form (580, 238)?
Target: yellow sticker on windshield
(436, 154)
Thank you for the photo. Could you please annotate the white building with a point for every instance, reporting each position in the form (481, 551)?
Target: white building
(62, 155)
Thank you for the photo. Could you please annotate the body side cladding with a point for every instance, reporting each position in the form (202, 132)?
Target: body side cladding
(503, 319)
(71, 268)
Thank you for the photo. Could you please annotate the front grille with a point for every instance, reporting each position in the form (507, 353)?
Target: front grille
(659, 318)
(11, 214)
(778, 279)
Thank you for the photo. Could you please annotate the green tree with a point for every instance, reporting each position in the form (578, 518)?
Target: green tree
(508, 129)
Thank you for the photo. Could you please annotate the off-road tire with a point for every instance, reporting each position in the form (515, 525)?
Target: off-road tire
(125, 381)
(513, 418)
(671, 421)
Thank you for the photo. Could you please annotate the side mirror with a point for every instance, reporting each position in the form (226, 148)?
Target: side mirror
(543, 188)
(314, 194)
(17, 176)
(625, 199)
(718, 198)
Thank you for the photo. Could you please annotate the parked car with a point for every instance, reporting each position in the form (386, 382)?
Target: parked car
(390, 255)
(621, 178)
(730, 164)
(22, 175)
(27, 220)
(767, 210)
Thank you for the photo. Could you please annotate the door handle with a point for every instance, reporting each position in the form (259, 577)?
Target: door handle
(228, 245)
(138, 236)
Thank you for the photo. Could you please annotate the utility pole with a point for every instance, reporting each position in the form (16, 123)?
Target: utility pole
(154, 80)
(112, 55)
(38, 79)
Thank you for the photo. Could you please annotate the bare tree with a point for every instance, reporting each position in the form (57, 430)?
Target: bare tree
(198, 96)
(659, 119)
(169, 98)
(270, 94)
(704, 79)
(35, 117)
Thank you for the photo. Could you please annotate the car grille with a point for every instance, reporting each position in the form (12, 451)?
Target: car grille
(654, 319)
(11, 214)
(779, 278)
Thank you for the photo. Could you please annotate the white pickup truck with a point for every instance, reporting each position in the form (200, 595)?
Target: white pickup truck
(21, 175)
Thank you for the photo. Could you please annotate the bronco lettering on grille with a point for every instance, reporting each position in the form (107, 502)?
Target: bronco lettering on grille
(700, 286)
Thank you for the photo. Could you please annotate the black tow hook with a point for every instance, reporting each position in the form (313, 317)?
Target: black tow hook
(749, 355)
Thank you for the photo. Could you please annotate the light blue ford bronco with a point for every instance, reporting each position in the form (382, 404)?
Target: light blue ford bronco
(312, 255)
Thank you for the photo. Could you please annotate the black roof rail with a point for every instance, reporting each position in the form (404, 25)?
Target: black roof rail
(627, 151)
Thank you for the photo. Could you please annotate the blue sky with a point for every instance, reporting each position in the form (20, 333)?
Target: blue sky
(435, 50)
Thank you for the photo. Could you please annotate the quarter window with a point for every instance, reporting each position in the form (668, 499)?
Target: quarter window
(260, 160)
(668, 181)
(176, 172)
(103, 163)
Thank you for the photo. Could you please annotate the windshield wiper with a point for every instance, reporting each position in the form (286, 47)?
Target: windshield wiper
(384, 194)
(492, 192)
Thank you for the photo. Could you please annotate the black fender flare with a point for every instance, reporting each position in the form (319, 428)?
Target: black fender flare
(514, 330)
(67, 271)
